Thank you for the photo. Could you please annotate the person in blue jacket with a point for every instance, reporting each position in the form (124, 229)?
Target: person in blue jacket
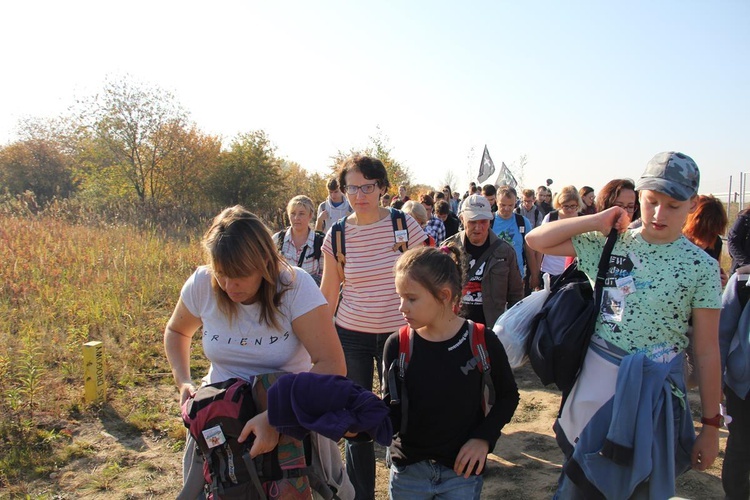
(734, 345)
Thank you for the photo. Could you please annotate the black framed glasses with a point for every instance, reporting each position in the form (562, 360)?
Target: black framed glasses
(366, 188)
(628, 208)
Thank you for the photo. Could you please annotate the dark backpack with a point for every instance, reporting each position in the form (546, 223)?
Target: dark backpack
(397, 370)
(561, 331)
(215, 416)
(338, 244)
(317, 245)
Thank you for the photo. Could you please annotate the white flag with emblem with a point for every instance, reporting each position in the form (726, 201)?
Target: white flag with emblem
(486, 168)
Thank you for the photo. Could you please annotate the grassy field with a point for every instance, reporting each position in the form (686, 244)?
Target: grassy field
(62, 285)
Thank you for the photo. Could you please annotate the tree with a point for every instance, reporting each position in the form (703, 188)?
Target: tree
(378, 148)
(138, 126)
(38, 166)
(449, 179)
(518, 169)
(194, 158)
(249, 174)
(297, 180)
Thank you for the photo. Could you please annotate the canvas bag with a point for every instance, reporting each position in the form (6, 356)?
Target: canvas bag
(562, 329)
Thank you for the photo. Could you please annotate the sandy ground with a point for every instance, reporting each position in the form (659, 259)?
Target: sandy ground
(116, 463)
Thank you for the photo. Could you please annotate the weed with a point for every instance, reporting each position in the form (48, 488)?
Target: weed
(105, 479)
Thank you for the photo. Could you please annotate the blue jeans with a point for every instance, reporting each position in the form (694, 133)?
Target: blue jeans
(428, 479)
(361, 350)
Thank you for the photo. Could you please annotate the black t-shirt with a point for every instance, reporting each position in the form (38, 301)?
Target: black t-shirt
(471, 295)
(445, 405)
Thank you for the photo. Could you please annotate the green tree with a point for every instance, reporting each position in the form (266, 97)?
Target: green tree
(297, 180)
(378, 147)
(249, 174)
(190, 165)
(136, 125)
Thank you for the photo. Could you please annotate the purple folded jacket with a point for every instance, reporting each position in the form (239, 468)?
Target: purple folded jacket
(329, 405)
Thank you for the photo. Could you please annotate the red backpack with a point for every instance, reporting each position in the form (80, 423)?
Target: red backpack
(480, 360)
(215, 416)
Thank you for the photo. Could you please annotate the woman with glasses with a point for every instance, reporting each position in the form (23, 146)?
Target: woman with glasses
(567, 204)
(367, 311)
(618, 193)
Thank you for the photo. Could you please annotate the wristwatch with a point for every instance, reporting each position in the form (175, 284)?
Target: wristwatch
(717, 421)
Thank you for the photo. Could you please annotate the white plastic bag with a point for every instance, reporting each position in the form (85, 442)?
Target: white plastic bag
(514, 326)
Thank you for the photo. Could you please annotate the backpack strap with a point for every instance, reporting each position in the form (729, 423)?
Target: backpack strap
(338, 245)
(250, 465)
(318, 244)
(280, 239)
(481, 360)
(397, 374)
(302, 256)
(521, 229)
(554, 215)
(604, 267)
(521, 225)
(398, 219)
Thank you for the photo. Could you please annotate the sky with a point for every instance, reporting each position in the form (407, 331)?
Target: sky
(588, 91)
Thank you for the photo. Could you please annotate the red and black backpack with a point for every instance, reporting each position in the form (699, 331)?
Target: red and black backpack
(398, 369)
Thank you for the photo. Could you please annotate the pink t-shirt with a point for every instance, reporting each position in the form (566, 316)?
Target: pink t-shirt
(369, 300)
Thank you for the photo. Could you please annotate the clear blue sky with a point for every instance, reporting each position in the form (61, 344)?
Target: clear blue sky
(588, 90)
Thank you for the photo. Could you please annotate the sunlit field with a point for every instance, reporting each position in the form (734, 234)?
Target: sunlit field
(63, 285)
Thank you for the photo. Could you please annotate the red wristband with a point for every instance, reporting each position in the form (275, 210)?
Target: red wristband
(716, 421)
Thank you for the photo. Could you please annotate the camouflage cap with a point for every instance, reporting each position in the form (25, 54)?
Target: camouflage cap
(671, 173)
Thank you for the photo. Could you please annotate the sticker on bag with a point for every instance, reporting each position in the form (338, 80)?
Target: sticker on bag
(214, 436)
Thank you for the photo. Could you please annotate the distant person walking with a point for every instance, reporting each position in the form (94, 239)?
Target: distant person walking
(299, 244)
(334, 208)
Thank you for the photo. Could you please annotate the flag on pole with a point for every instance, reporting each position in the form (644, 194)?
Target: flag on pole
(486, 168)
(505, 177)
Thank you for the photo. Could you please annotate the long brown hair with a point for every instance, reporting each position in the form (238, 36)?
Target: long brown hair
(238, 244)
(611, 191)
(706, 222)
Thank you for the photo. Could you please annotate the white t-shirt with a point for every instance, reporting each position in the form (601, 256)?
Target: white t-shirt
(552, 264)
(334, 212)
(247, 347)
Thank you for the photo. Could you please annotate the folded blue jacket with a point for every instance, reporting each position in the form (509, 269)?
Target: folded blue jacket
(644, 434)
(330, 405)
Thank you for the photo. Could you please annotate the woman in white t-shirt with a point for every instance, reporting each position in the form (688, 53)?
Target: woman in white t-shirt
(257, 316)
(368, 311)
(567, 204)
(298, 243)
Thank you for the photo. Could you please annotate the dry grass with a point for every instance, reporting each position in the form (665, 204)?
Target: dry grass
(63, 284)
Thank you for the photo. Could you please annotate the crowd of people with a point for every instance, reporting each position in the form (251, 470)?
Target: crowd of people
(376, 280)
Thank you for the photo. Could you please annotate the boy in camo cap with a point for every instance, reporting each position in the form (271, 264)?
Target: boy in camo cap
(633, 371)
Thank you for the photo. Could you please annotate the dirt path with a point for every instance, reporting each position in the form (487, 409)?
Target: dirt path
(108, 461)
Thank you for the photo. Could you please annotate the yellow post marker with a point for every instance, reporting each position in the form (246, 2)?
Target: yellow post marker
(94, 383)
